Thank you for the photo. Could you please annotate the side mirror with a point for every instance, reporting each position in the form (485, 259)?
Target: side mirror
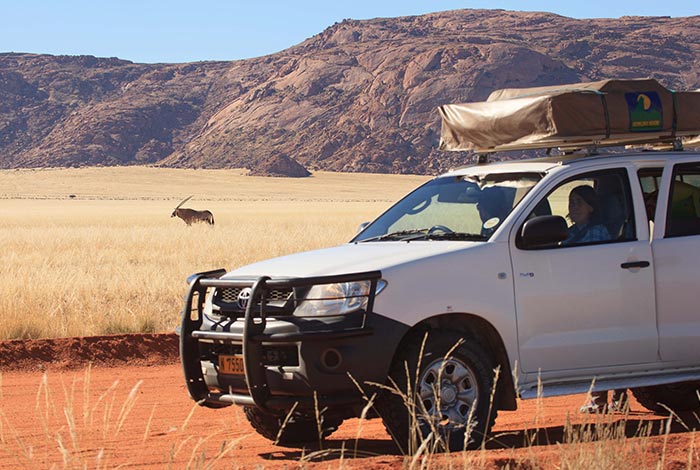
(543, 231)
(362, 226)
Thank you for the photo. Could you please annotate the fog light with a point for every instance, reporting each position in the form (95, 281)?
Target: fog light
(331, 359)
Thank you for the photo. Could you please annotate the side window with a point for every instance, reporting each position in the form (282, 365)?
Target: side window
(683, 217)
(597, 207)
(649, 179)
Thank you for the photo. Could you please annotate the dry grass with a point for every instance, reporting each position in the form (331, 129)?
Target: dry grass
(78, 424)
(111, 260)
(601, 441)
(79, 421)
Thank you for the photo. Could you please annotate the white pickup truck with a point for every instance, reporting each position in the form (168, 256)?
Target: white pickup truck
(475, 271)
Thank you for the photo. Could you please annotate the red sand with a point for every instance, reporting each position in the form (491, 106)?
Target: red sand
(55, 411)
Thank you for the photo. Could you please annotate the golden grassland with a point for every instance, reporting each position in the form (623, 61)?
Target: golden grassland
(95, 251)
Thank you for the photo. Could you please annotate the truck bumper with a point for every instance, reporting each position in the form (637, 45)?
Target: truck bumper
(288, 362)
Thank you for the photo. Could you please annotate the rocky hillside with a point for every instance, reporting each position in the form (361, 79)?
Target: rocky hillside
(360, 96)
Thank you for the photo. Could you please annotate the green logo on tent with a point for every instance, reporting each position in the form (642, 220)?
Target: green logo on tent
(646, 112)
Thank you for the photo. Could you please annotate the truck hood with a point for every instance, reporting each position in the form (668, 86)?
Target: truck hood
(350, 258)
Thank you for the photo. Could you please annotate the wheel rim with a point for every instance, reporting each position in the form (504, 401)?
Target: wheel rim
(447, 391)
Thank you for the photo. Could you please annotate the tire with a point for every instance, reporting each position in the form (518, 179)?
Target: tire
(462, 404)
(677, 397)
(299, 429)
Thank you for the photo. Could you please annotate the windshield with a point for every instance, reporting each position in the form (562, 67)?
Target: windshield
(463, 207)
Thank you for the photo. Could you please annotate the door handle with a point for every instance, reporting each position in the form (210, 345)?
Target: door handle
(635, 264)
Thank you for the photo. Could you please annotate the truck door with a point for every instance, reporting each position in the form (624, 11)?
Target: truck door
(588, 302)
(676, 248)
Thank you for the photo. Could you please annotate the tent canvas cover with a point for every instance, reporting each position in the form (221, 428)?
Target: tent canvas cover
(604, 113)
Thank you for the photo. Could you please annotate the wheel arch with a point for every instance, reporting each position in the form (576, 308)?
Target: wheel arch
(475, 328)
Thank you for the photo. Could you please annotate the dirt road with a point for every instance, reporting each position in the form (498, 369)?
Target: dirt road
(130, 409)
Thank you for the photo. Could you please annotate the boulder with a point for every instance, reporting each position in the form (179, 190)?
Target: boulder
(279, 165)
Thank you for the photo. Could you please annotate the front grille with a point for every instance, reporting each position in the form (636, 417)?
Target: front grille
(278, 302)
(230, 294)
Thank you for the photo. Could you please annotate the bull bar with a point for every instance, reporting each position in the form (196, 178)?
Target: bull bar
(253, 336)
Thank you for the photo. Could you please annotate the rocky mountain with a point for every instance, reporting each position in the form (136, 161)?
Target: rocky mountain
(360, 96)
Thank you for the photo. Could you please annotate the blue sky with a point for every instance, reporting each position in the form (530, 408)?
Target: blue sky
(184, 31)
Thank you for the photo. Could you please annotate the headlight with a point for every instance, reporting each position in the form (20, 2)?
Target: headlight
(336, 299)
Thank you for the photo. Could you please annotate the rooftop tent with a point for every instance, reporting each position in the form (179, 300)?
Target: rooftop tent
(607, 112)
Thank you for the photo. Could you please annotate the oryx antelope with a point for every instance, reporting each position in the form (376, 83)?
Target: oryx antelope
(189, 216)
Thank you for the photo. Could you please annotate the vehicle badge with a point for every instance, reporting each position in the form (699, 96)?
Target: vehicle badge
(244, 297)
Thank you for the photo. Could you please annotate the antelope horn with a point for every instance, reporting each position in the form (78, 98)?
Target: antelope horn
(184, 201)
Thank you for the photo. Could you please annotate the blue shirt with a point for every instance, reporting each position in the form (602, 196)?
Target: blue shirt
(586, 234)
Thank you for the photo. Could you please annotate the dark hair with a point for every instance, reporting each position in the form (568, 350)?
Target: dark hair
(590, 197)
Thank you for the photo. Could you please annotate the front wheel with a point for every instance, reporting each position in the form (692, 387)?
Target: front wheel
(299, 429)
(446, 395)
(664, 399)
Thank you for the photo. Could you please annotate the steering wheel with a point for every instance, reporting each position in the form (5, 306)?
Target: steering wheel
(439, 228)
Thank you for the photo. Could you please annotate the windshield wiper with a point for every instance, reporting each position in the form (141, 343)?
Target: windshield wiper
(424, 233)
(476, 237)
(395, 235)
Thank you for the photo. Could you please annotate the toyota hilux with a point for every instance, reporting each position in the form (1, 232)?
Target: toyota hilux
(472, 291)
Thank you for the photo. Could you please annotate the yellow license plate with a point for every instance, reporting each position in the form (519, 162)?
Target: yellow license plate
(231, 365)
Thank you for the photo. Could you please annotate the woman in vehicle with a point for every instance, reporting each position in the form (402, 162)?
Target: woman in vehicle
(584, 210)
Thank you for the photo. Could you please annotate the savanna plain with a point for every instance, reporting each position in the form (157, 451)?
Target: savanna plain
(93, 252)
